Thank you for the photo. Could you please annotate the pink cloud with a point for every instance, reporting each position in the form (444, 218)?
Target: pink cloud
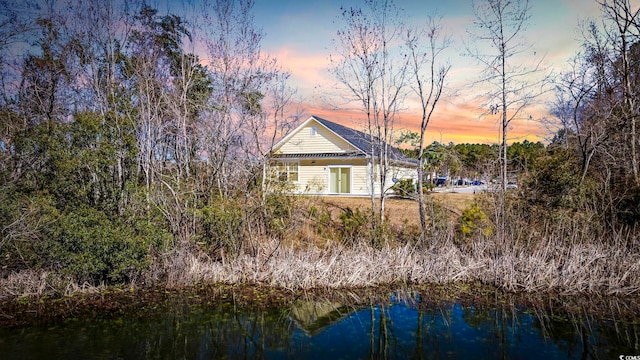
(452, 122)
(305, 69)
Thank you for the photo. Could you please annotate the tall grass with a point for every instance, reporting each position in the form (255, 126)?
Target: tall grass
(545, 265)
(553, 256)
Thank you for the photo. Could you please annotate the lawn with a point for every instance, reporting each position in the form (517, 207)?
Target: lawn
(399, 210)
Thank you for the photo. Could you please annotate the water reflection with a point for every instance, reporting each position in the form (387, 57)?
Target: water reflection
(402, 328)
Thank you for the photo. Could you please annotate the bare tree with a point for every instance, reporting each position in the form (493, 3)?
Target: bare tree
(100, 29)
(14, 29)
(500, 24)
(582, 103)
(374, 74)
(428, 87)
(241, 78)
(511, 86)
(623, 31)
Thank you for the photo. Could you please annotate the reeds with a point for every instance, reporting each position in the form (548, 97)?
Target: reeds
(547, 265)
(40, 283)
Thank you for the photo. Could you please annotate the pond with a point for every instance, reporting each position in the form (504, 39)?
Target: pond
(328, 329)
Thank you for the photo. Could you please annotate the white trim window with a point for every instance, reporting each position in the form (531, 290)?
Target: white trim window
(288, 170)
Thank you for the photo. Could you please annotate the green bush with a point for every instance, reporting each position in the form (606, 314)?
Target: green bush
(404, 187)
(554, 180)
(83, 244)
(278, 213)
(221, 226)
(354, 224)
(24, 223)
(88, 246)
(474, 222)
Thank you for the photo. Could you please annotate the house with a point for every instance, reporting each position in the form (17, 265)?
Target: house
(323, 157)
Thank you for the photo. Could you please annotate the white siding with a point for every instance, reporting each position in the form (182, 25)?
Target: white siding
(324, 141)
(314, 176)
(400, 173)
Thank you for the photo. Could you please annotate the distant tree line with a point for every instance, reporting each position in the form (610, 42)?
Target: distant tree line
(476, 161)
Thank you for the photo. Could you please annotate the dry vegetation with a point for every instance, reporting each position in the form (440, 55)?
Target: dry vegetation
(571, 269)
(323, 250)
(529, 262)
(398, 211)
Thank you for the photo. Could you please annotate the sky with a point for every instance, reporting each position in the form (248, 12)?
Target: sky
(300, 34)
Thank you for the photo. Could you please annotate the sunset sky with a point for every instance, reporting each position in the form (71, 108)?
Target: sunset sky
(300, 34)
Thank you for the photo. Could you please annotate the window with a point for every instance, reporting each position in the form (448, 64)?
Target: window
(314, 130)
(293, 171)
(288, 171)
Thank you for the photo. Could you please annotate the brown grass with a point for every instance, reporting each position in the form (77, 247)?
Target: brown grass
(556, 259)
(398, 210)
(567, 269)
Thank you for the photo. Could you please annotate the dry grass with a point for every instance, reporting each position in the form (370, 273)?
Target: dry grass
(398, 210)
(455, 202)
(552, 261)
(572, 269)
(548, 267)
(40, 283)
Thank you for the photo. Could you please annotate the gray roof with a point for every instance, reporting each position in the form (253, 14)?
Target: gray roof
(352, 154)
(362, 141)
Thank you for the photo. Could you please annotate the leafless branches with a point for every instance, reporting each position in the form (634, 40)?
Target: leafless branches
(428, 87)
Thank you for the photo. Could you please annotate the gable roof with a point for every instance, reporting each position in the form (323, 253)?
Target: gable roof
(358, 139)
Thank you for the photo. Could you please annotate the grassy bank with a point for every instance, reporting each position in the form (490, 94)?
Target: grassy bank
(567, 269)
(327, 244)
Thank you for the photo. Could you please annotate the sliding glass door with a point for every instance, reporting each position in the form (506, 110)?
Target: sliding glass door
(340, 180)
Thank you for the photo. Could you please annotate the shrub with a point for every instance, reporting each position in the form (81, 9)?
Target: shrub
(474, 222)
(24, 223)
(404, 187)
(221, 226)
(354, 224)
(278, 210)
(554, 181)
(101, 249)
(89, 247)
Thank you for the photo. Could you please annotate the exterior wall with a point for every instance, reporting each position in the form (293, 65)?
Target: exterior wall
(400, 173)
(314, 175)
(324, 141)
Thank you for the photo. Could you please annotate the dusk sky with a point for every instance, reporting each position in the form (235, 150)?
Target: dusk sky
(300, 33)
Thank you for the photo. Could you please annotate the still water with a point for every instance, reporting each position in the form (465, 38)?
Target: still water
(329, 330)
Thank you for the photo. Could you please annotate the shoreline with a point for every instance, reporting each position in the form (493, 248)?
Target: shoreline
(115, 302)
(320, 254)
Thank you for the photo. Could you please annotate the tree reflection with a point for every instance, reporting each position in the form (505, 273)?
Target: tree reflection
(407, 328)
